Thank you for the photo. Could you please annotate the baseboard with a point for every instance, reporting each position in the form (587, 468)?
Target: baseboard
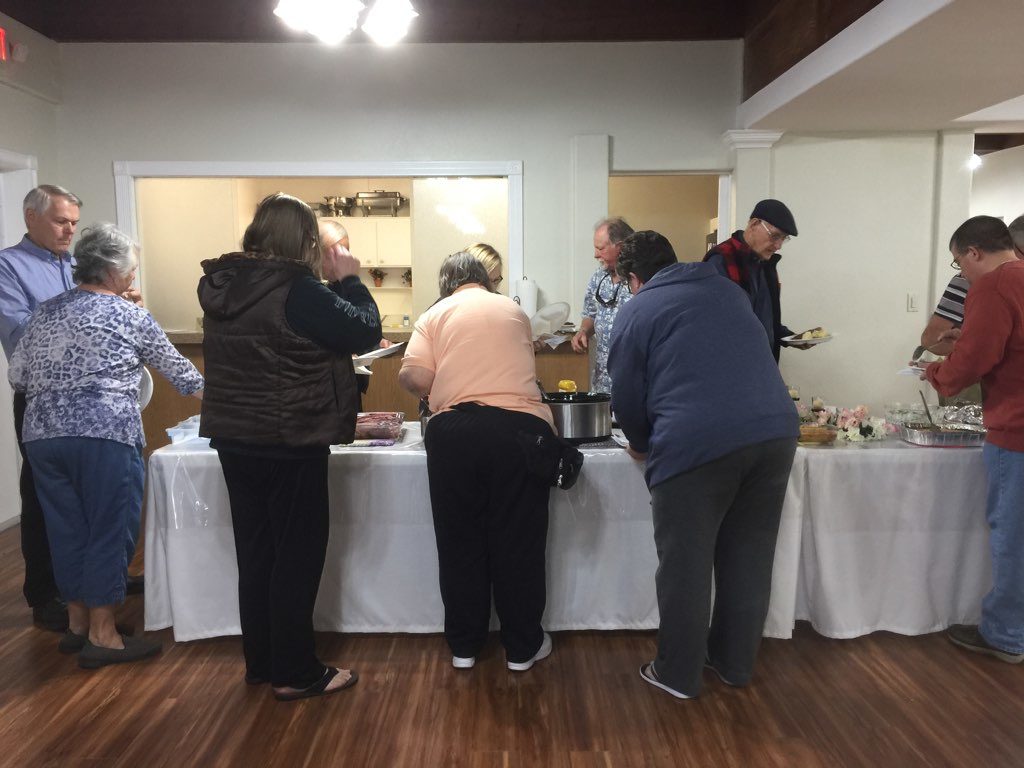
(16, 520)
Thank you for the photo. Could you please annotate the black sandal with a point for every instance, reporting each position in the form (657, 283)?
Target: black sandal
(319, 688)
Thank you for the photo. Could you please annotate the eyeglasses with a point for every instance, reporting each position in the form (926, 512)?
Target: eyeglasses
(615, 294)
(776, 237)
(496, 281)
(955, 263)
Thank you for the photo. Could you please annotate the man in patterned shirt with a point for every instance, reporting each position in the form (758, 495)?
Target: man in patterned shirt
(606, 294)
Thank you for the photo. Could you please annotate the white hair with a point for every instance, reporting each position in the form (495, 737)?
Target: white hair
(102, 249)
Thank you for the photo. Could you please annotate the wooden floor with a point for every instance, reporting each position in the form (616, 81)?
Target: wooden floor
(882, 700)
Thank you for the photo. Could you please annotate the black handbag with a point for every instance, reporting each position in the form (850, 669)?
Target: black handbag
(554, 460)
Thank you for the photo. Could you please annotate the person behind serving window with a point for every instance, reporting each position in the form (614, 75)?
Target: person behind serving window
(79, 365)
(606, 294)
(471, 354)
(991, 349)
(491, 260)
(280, 391)
(696, 392)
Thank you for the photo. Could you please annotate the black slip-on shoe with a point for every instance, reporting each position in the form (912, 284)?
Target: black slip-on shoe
(135, 649)
(967, 636)
(51, 615)
(72, 643)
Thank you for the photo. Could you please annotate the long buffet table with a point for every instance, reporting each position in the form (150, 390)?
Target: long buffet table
(874, 536)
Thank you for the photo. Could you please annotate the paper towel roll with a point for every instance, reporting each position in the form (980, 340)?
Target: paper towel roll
(526, 295)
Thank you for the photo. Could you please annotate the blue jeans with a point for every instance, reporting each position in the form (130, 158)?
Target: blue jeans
(1002, 610)
(91, 493)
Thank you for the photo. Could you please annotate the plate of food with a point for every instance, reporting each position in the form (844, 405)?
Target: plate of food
(812, 336)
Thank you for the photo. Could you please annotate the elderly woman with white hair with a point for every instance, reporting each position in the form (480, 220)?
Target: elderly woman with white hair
(79, 364)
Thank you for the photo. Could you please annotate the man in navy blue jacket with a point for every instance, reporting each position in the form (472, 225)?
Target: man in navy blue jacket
(698, 394)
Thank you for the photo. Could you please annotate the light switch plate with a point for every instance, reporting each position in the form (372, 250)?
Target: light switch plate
(912, 302)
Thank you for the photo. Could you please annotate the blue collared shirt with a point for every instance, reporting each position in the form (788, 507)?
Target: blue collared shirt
(29, 275)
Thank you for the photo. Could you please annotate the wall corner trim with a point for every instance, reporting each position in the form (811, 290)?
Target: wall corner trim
(751, 139)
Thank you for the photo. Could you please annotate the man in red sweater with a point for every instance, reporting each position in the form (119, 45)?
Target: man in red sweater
(990, 348)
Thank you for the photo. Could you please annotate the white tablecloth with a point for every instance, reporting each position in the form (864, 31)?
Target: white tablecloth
(894, 538)
(871, 538)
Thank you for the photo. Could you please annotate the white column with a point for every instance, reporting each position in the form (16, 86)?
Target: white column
(952, 204)
(752, 175)
(591, 162)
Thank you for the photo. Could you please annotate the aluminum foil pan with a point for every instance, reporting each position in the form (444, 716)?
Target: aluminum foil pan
(949, 436)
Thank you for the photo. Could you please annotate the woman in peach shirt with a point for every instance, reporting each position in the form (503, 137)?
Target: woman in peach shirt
(471, 354)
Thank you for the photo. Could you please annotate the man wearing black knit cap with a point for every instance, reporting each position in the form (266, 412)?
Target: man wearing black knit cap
(750, 259)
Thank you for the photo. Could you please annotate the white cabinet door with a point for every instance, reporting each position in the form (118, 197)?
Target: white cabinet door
(394, 242)
(362, 238)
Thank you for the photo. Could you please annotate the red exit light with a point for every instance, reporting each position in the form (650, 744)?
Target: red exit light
(3, 44)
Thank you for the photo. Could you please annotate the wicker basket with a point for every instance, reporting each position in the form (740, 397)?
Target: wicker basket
(814, 433)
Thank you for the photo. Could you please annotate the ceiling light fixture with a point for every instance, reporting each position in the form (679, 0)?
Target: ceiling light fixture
(974, 162)
(388, 21)
(331, 21)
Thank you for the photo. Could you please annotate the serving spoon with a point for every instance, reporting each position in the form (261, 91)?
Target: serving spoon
(927, 410)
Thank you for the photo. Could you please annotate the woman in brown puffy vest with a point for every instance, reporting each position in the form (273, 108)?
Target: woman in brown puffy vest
(280, 390)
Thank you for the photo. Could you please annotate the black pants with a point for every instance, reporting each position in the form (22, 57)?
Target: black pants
(491, 524)
(40, 586)
(723, 515)
(280, 515)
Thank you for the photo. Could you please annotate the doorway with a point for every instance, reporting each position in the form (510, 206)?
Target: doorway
(684, 208)
(17, 178)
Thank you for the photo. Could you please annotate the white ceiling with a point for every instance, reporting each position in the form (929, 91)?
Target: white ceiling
(906, 65)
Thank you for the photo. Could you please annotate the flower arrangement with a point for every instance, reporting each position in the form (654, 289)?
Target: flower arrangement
(853, 425)
(407, 277)
(378, 275)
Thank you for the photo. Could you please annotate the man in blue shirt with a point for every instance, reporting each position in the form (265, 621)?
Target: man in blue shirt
(36, 269)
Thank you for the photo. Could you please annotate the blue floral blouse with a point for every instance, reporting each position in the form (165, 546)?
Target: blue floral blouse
(80, 362)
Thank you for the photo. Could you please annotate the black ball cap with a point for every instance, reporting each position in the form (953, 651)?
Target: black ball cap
(775, 212)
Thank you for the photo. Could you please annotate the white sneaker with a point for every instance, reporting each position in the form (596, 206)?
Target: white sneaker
(543, 653)
(650, 676)
(463, 662)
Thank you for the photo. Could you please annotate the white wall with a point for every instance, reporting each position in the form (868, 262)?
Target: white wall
(999, 185)
(866, 210)
(28, 125)
(29, 95)
(665, 105)
(480, 208)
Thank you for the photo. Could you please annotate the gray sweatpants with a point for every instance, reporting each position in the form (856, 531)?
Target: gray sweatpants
(721, 516)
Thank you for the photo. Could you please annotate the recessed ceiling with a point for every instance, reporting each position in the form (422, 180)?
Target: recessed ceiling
(439, 21)
(942, 71)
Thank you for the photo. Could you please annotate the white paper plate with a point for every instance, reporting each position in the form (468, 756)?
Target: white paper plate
(550, 318)
(145, 388)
